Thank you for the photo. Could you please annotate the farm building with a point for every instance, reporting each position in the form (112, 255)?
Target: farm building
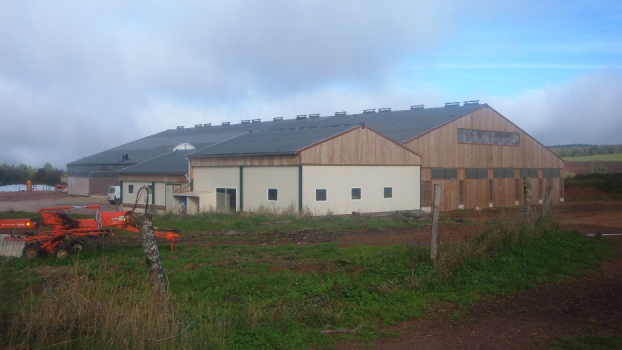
(164, 175)
(312, 168)
(475, 154)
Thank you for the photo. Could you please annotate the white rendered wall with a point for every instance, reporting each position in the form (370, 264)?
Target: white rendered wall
(339, 180)
(257, 180)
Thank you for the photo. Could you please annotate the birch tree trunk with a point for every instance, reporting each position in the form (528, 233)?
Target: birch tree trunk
(152, 255)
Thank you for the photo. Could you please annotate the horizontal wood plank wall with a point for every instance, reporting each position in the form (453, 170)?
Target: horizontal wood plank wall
(256, 160)
(440, 147)
(359, 147)
(172, 178)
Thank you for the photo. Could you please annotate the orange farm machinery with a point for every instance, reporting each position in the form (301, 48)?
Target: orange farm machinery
(68, 235)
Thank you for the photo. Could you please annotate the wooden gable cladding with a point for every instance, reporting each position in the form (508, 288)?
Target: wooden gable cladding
(171, 178)
(360, 146)
(245, 160)
(440, 147)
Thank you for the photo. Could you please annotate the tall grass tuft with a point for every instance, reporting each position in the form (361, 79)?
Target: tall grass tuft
(90, 308)
(490, 240)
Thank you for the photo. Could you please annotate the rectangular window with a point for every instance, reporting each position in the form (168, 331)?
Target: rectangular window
(388, 192)
(487, 137)
(444, 173)
(476, 173)
(438, 173)
(529, 172)
(356, 193)
(273, 194)
(320, 195)
(551, 173)
(498, 138)
(504, 173)
(482, 137)
(130, 188)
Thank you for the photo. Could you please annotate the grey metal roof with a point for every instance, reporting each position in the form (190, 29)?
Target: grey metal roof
(399, 126)
(170, 163)
(281, 139)
(161, 143)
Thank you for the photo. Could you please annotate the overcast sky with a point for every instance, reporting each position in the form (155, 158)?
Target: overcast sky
(80, 77)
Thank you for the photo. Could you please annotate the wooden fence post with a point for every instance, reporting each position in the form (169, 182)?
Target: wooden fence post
(434, 234)
(152, 255)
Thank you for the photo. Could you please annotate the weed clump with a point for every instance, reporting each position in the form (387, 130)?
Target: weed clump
(89, 309)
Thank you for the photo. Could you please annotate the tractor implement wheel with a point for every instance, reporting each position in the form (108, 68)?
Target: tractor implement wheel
(77, 245)
(31, 251)
(62, 251)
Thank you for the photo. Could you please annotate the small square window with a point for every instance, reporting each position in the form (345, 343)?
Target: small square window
(356, 193)
(273, 194)
(388, 192)
(130, 188)
(320, 195)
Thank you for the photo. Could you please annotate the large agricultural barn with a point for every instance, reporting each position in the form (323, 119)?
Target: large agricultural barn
(477, 156)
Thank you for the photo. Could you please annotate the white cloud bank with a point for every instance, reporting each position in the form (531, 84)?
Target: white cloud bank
(587, 109)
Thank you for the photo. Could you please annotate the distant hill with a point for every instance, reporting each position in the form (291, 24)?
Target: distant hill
(581, 150)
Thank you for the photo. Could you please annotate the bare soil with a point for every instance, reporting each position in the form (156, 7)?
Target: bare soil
(587, 167)
(35, 200)
(526, 319)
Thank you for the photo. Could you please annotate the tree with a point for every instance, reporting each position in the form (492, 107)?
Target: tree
(48, 175)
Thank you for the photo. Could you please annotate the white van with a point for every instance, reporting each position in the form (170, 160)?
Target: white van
(114, 194)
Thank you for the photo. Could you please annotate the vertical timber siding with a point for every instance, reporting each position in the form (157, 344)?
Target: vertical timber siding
(439, 148)
(361, 146)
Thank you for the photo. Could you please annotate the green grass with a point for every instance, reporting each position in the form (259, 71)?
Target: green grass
(248, 297)
(266, 223)
(617, 157)
(270, 223)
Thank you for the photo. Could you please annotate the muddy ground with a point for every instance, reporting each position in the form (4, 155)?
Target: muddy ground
(528, 319)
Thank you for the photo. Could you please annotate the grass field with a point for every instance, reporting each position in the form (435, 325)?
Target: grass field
(271, 297)
(597, 157)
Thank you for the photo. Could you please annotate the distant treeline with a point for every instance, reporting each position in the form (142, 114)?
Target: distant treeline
(578, 150)
(14, 175)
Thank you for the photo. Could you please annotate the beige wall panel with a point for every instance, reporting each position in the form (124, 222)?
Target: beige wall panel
(257, 160)
(440, 148)
(257, 180)
(339, 180)
(358, 147)
(207, 179)
(130, 198)
(78, 186)
(153, 177)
